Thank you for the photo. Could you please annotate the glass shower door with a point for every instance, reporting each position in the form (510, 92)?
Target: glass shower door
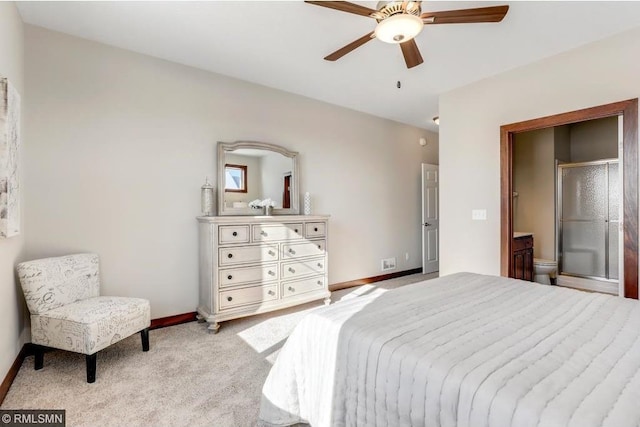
(614, 220)
(588, 239)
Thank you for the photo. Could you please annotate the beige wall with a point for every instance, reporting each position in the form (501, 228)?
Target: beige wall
(471, 116)
(12, 311)
(594, 140)
(534, 181)
(119, 145)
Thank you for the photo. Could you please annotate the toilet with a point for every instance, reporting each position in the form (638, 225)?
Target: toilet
(544, 270)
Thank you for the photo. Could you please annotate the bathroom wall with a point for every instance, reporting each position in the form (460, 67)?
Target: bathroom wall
(534, 181)
(562, 143)
(594, 140)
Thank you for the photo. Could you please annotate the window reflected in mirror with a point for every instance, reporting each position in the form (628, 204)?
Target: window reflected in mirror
(235, 178)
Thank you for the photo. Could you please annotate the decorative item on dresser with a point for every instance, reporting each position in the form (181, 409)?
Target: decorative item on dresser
(251, 265)
(522, 256)
(307, 203)
(206, 198)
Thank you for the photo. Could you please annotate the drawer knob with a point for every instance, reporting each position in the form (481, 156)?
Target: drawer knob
(291, 270)
(230, 256)
(229, 277)
(271, 273)
(319, 265)
(271, 253)
(292, 289)
(315, 228)
(296, 230)
(271, 292)
(229, 298)
(263, 233)
(320, 282)
(291, 251)
(319, 247)
(234, 234)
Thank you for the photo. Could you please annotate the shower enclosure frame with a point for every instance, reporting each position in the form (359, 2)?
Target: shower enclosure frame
(608, 221)
(628, 109)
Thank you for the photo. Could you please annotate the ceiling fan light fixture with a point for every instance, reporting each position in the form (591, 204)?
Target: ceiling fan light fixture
(399, 28)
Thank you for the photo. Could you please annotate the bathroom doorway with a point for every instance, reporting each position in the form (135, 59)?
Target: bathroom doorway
(568, 248)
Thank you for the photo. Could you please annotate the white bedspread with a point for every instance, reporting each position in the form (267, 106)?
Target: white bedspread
(464, 350)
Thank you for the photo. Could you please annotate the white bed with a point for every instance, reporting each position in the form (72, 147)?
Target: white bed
(464, 350)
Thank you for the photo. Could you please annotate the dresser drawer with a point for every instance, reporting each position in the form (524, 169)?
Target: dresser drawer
(245, 296)
(233, 234)
(273, 232)
(297, 287)
(315, 229)
(302, 268)
(303, 249)
(248, 254)
(241, 275)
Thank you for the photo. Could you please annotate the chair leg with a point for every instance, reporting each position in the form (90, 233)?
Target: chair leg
(91, 367)
(39, 357)
(144, 335)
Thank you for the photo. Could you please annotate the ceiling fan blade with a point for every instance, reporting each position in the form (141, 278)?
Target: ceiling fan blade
(466, 16)
(411, 53)
(344, 6)
(348, 48)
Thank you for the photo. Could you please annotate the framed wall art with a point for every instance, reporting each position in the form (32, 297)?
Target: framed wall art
(9, 150)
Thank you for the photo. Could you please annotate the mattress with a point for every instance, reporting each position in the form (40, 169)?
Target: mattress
(464, 350)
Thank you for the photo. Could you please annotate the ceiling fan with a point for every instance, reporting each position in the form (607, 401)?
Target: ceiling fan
(400, 21)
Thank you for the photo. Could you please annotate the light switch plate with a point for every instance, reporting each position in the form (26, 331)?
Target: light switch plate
(479, 214)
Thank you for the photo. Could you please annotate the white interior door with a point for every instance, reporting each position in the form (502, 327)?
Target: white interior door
(430, 219)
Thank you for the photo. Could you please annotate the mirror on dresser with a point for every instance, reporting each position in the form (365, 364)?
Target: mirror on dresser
(249, 170)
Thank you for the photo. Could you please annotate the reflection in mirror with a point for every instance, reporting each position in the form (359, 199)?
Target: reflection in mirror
(235, 178)
(256, 171)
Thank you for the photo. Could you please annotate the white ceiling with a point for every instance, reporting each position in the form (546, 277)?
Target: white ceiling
(281, 44)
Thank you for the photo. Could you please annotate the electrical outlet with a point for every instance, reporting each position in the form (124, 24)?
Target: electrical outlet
(388, 264)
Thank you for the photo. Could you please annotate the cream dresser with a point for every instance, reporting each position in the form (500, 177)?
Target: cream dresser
(255, 264)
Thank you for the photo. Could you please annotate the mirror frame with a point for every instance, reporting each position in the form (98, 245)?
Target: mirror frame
(229, 147)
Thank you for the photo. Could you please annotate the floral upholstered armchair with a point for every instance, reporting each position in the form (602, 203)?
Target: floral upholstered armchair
(68, 313)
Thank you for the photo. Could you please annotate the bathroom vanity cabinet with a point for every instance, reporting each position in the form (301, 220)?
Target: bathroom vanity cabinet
(522, 253)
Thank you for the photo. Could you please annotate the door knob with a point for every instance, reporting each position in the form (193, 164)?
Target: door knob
(426, 224)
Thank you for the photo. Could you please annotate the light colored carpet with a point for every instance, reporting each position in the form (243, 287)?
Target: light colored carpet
(188, 378)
